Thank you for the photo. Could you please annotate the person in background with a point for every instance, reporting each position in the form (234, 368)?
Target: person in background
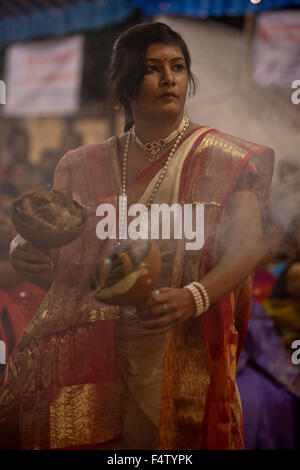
(19, 298)
(47, 163)
(18, 146)
(20, 174)
(285, 196)
(280, 229)
(283, 304)
(268, 381)
(269, 386)
(288, 174)
(49, 158)
(264, 276)
(70, 139)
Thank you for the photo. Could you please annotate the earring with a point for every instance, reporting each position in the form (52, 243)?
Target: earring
(117, 107)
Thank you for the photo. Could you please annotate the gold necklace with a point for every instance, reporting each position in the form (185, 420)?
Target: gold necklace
(162, 174)
(156, 146)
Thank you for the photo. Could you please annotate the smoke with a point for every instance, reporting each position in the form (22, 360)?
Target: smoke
(226, 96)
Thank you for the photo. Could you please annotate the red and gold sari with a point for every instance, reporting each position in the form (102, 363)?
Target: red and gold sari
(61, 387)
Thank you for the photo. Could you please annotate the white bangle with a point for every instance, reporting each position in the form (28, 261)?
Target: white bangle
(204, 293)
(197, 299)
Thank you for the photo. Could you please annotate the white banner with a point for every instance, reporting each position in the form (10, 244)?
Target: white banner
(277, 48)
(44, 77)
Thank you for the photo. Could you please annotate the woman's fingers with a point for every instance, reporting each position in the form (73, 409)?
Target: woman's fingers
(165, 309)
(161, 308)
(158, 296)
(150, 321)
(29, 260)
(31, 256)
(154, 298)
(158, 331)
(33, 267)
(156, 305)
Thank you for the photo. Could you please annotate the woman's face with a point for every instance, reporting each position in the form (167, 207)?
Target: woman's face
(164, 86)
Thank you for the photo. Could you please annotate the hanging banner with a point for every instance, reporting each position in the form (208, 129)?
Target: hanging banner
(277, 48)
(43, 78)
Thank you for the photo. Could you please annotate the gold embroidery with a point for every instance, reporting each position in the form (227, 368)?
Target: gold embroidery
(62, 315)
(82, 415)
(184, 400)
(43, 316)
(103, 313)
(211, 203)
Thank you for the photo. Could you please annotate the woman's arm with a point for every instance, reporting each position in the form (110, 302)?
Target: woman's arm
(241, 240)
(33, 264)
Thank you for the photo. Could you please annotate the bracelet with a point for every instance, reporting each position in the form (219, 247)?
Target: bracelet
(197, 299)
(204, 294)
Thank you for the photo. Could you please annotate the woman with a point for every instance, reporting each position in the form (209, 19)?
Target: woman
(98, 375)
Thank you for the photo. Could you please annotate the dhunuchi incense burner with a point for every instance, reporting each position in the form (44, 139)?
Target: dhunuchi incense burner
(127, 274)
(48, 219)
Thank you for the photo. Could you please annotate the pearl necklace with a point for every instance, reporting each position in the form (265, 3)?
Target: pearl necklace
(162, 174)
(156, 146)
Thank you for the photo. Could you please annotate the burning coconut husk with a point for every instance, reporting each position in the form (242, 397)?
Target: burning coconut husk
(127, 274)
(49, 210)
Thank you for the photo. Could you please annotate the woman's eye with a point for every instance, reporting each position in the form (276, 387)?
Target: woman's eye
(151, 68)
(178, 67)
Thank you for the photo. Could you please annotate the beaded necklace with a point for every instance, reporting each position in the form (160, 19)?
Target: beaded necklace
(162, 174)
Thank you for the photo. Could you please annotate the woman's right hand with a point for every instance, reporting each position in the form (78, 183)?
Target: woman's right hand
(29, 260)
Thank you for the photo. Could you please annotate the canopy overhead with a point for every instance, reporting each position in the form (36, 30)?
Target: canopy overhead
(27, 19)
(211, 8)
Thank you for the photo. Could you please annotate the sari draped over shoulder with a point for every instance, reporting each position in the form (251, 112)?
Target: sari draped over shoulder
(61, 387)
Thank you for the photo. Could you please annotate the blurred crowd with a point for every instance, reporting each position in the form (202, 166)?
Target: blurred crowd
(268, 381)
(25, 175)
(20, 298)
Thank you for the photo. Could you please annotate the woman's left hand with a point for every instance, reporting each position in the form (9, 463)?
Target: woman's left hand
(164, 309)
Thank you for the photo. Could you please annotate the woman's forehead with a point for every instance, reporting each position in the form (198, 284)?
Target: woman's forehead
(163, 51)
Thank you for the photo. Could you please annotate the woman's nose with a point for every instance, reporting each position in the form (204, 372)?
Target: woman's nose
(167, 77)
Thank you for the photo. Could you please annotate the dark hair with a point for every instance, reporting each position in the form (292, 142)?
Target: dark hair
(127, 66)
(287, 166)
(10, 168)
(16, 132)
(8, 189)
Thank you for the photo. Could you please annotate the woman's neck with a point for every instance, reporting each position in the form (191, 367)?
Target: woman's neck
(149, 130)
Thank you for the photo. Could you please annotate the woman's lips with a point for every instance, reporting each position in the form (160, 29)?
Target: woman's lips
(168, 96)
